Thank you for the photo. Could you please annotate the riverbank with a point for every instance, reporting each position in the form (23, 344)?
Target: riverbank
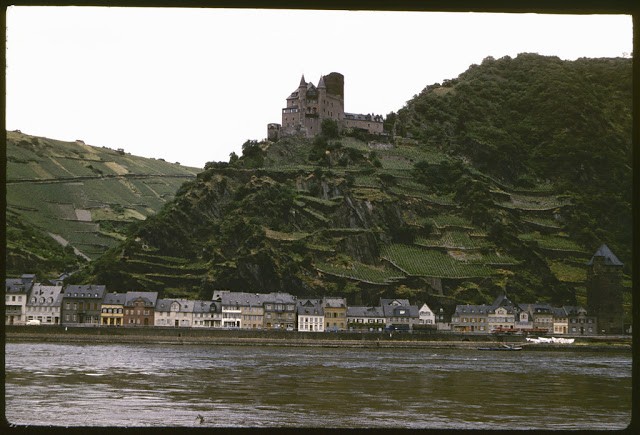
(296, 339)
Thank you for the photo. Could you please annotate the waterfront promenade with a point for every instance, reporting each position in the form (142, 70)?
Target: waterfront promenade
(61, 334)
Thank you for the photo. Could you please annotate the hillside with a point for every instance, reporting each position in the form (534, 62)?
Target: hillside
(428, 215)
(79, 196)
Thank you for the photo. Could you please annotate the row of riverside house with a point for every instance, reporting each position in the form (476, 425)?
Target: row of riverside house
(28, 302)
(505, 316)
(32, 303)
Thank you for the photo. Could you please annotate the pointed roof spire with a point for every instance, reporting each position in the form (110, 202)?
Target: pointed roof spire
(321, 83)
(609, 257)
(302, 82)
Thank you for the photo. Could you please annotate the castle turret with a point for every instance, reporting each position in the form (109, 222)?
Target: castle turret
(321, 84)
(604, 290)
(302, 91)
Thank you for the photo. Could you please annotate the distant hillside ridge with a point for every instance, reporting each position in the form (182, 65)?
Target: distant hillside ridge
(69, 201)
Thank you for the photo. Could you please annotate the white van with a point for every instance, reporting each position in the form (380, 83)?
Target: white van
(33, 322)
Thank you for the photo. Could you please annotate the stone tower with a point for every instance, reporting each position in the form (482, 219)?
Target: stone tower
(604, 291)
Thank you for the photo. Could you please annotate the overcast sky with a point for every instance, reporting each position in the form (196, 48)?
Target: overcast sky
(192, 85)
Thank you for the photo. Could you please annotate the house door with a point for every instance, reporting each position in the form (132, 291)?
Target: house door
(146, 321)
(177, 323)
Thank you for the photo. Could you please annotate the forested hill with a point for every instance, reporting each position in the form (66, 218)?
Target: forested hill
(507, 178)
(537, 118)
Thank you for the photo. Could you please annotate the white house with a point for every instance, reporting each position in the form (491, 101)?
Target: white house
(174, 312)
(310, 315)
(426, 316)
(44, 304)
(16, 292)
(365, 318)
(207, 314)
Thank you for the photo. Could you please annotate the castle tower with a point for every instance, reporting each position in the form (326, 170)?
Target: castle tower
(604, 291)
(302, 91)
(322, 94)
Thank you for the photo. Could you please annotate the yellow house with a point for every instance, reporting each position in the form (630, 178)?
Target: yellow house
(112, 313)
(335, 313)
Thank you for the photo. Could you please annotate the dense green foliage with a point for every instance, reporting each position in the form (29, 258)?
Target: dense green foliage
(506, 178)
(31, 250)
(540, 118)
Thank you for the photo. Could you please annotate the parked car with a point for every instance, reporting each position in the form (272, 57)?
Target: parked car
(33, 322)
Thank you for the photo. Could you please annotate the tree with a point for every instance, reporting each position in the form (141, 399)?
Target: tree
(329, 129)
(233, 157)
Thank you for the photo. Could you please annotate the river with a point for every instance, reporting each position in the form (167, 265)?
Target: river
(268, 386)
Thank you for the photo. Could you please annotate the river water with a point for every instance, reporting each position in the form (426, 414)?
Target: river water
(265, 386)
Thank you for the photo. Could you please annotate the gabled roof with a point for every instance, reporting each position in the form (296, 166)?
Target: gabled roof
(312, 91)
(365, 312)
(241, 299)
(217, 294)
(574, 310)
(426, 307)
(334, 302)
(472, 309)
(184, 305)
(504, 301)
(609, 257)
(149, 298)
(14, 285)
(114, 299)
(278, 298)
(536, 308)
(310, 307)
(84, 291)
(398, 308)
(20, 285)
(46, 295)
(203, 306)
(384, 302)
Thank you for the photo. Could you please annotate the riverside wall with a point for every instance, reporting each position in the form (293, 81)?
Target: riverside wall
(181, 336)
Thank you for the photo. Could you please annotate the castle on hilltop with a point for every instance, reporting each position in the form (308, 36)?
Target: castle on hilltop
(309, 105)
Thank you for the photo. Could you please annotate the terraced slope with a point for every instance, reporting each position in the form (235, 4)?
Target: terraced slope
(83, 196)
(356, 229)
